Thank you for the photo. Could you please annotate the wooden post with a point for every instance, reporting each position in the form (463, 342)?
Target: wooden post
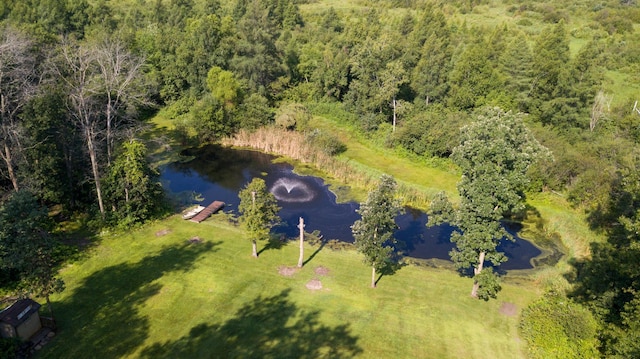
(301, 226)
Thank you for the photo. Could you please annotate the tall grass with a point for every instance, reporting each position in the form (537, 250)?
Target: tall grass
(295, 145)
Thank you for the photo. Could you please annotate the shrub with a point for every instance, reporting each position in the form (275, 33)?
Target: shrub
(9, 347)
(325, 142)
(556, 327)
(292, 116)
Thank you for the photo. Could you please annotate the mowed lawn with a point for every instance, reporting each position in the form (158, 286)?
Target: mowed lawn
(152, 293)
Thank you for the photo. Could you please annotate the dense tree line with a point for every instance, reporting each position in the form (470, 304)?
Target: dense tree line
(77, 79)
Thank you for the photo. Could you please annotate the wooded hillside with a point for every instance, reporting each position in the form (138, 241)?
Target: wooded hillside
(79, 79)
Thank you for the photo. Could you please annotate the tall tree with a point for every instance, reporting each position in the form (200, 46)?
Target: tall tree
(18, 80)
(516, 68)
(256, 59)
(609, 281)
(77, 69)
(494, 155)
(473, 77)
(259, 211)
(550, 64)
(120, 72)
(373, 233)
(132, 186)
(27, 246)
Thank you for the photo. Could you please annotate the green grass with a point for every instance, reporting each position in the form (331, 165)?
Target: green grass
(363, 154)
(143, 295)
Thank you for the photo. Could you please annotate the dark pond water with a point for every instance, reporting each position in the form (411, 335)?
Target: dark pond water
(219, 173)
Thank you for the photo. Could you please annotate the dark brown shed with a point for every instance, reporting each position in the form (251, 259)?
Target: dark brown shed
(21, 319)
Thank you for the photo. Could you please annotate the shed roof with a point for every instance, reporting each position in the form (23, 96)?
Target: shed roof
(19, 312)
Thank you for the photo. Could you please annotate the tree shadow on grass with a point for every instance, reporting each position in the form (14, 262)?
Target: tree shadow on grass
(315, 253)
(271, 327)
(391, 267)
(101, 318)
(274, 243)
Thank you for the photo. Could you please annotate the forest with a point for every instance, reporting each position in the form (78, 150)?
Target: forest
(80, 81)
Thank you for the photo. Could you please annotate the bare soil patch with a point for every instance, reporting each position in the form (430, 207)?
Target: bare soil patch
(314, 284)
(508, 309)
(195, 240)
(287, 271)
(320, 270)
(163, 232)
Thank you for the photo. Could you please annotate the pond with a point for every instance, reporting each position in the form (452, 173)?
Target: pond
(218, 173)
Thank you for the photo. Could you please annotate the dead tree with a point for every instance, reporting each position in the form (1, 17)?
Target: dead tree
(301, 257)
(18, 83)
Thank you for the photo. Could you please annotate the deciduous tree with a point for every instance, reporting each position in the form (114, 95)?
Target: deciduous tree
(18, 81)
(373, 233)
(494, 155)
(132, 186)
(258, 211)
(26, 244)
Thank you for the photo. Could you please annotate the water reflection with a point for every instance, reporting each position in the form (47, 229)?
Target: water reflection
(218, 173)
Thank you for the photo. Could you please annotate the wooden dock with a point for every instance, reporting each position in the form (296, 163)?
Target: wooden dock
(214, 207)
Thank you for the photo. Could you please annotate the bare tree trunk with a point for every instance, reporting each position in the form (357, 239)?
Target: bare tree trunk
(95, 170)
(9, 161)
(373, 276)
(254, 247)
(476, 271)
(300, 259)
(395, 115)
(108, 134)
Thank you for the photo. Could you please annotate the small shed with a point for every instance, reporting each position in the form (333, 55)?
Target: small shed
(21, 320)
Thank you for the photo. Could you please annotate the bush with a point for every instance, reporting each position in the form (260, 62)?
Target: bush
(9, 347)
(292, 116)
(325, 142)
(556, 327)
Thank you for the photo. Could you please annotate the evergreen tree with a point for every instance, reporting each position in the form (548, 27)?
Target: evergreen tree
(256, 59)
(473, 77)
(550, 66)
(516, 70)
(373, 233)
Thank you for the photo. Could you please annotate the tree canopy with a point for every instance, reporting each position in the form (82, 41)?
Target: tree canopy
(373, 233)
(258, 211)
(494, 155)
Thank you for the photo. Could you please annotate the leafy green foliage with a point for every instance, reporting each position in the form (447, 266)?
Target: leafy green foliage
(557, 327)
(293, 115)
(132, 186)
(258, 211)
(326, 142)
(494, 155)
(373, 233)
(609, 282)
(224, 86)
(9, 347)
(26, 245)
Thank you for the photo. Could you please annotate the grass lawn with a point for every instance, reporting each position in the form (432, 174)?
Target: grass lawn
(371, 158)
(159, 296)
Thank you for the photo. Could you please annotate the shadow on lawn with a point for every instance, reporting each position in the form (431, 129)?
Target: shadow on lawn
(101, 317)
(272, 327)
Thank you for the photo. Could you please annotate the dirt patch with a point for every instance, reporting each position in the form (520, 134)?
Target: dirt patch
(287, 271)
(163, 232)
(195, 240)
(314, 284)
(508, 309)
(320, 270)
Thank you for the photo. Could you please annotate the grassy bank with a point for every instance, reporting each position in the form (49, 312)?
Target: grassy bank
(152, 293)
